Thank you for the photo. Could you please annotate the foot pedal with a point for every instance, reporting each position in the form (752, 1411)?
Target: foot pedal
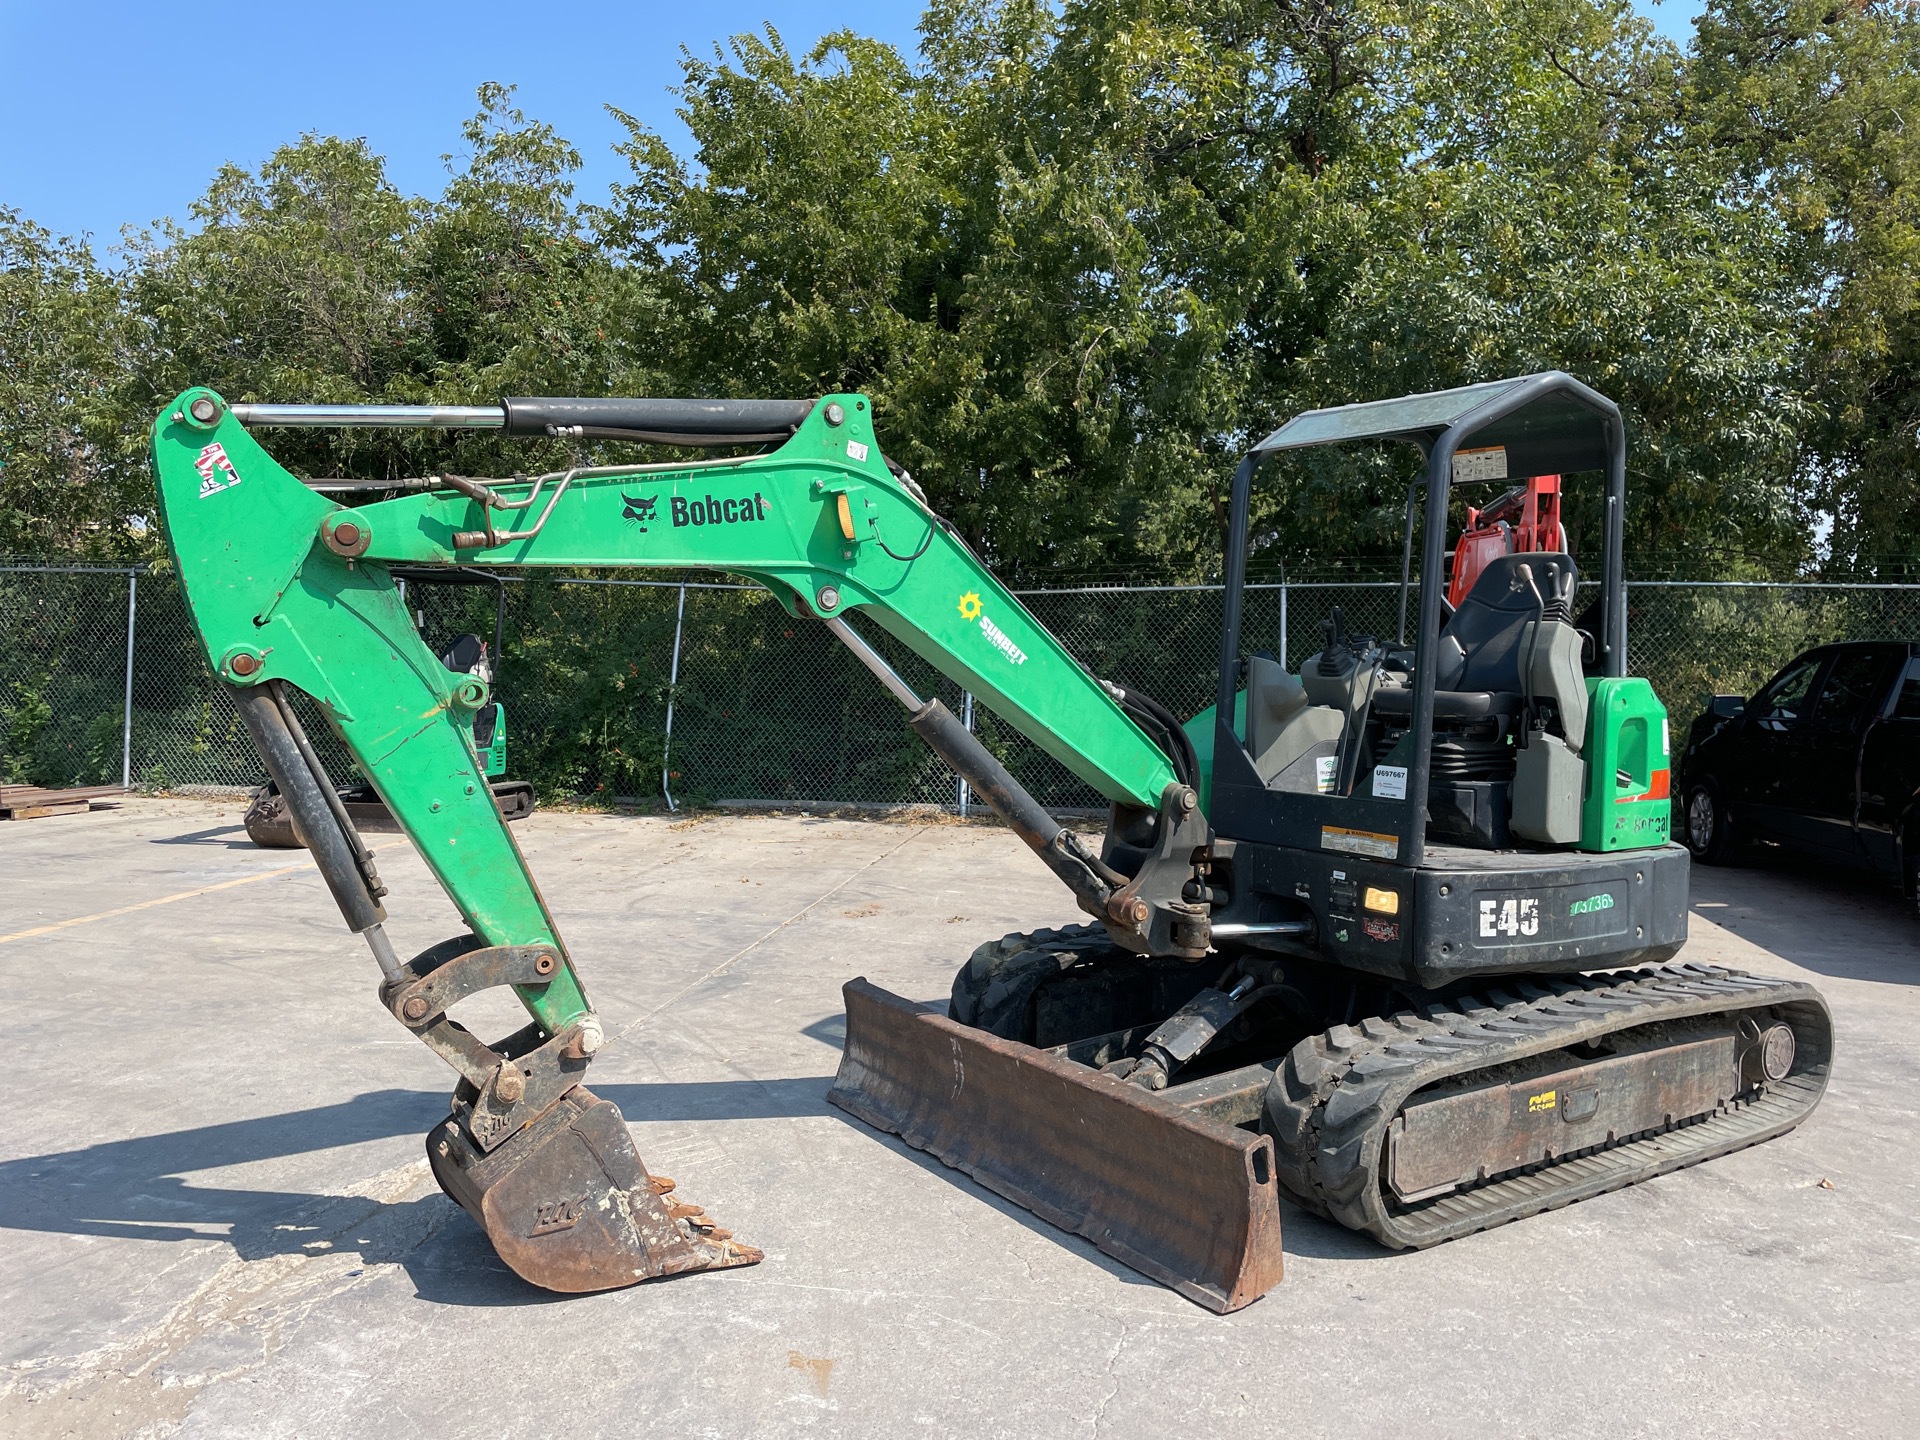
(569, 1206)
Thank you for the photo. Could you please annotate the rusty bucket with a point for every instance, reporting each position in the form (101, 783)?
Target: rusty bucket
(569, 1206)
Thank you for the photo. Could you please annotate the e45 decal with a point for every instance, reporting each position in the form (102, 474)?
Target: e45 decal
(1510, 918)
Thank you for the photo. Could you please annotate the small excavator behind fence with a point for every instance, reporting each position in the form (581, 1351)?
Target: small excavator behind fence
(1389, 935)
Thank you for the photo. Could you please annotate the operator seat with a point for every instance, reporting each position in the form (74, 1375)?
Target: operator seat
(1509, 651)
(1485, 645)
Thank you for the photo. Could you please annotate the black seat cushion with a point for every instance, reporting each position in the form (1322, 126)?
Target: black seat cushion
(1464, 704)
(1492, 619)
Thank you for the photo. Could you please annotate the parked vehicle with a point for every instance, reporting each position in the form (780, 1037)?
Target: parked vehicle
(1824, 760)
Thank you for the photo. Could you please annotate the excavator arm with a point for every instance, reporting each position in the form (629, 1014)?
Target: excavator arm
(290, 589)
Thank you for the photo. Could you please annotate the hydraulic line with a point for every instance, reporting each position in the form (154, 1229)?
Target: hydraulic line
(319, 819)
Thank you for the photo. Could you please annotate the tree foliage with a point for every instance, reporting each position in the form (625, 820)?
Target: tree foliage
(1810, 106)
(67, 478)
(1081, 253)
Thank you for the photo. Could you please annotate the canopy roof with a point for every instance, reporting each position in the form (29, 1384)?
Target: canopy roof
(1549, 423)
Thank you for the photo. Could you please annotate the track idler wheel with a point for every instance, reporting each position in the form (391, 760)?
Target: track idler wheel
(569, 1206)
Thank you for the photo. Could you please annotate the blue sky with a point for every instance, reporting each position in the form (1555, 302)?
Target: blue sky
(117, 113)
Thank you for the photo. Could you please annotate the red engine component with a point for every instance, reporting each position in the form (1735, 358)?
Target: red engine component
(1527, 517)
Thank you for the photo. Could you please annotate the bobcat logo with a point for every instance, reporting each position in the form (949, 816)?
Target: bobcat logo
(550, 1216)
(639, 510)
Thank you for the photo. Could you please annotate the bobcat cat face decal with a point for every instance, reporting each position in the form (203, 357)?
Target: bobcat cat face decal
(640, 510)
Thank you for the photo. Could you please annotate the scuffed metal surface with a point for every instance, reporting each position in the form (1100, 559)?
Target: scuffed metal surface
(570, 1207)
(1185, 1200)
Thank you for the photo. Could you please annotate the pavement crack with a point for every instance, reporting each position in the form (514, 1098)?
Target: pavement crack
(1113, 1358)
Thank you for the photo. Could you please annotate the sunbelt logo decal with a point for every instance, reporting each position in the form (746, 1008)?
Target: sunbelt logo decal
(1589, 905)
(972, 609)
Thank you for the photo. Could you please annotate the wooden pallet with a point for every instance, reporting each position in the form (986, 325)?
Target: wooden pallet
(30, 802)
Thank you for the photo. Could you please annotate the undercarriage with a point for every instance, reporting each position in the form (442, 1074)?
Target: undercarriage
(1413, 1115)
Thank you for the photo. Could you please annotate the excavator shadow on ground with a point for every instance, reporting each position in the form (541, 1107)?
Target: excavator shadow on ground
(144, 1188)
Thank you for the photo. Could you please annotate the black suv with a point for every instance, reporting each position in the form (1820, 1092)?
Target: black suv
(1825, 760)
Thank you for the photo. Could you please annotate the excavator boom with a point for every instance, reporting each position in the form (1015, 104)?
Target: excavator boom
(291, 589)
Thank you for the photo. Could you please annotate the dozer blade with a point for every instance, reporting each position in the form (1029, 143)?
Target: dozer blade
(569, 1206)
(1188, 1201)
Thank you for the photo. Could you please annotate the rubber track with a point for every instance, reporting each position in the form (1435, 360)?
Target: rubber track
(992, 990)
(1333, 1098)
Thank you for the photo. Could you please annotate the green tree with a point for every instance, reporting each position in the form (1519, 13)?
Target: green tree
(314, 279)
(1086, 253)
(1811, 104)
(1082, 253)
(70, 483)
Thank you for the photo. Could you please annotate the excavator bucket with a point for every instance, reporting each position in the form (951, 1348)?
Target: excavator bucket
(569, 1206)
(1184, 1199)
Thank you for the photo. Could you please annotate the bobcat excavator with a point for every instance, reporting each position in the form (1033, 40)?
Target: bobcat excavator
(1387, 936)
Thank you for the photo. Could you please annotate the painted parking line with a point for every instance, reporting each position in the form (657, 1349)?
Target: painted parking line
(168, 899)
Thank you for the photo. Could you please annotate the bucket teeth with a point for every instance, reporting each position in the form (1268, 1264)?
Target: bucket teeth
(569, 1207)
(722, 1251)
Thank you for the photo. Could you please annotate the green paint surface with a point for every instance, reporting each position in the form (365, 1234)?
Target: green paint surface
(245, 538)
(1627, 805)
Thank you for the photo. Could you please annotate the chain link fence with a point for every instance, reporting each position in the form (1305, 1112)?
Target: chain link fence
(625, 690)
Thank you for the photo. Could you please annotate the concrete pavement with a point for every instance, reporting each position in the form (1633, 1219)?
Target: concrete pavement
(217, 1219)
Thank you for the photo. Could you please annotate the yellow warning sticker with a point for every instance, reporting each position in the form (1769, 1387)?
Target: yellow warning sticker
(1370, 843)
(1544, 1101)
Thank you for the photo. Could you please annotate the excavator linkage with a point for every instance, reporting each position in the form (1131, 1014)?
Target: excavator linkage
(293, 592)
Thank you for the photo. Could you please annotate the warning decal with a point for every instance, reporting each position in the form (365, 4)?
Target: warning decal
(1489, 463)
(1370, 843)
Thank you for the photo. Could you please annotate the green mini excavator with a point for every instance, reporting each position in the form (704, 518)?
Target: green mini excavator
(1389, 935)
